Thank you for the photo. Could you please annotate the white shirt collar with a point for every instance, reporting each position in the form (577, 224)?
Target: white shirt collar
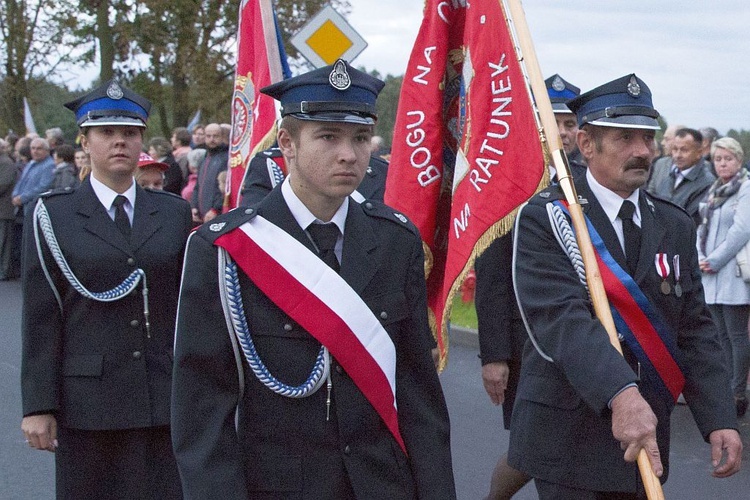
(302, 214)
(107, 195)
(611, 201)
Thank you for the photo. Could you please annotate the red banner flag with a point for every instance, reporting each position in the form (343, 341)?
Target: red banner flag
(466, 150)
(253, 114)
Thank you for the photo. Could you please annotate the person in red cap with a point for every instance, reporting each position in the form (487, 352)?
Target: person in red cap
(150, 173)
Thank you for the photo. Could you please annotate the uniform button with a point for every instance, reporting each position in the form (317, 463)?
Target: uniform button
(131, 261)
(339, 370)
(383, 315)
(135, 323)
(288, 327)
(368, 205)
(249, 211)
(137, 355)
(347, 450)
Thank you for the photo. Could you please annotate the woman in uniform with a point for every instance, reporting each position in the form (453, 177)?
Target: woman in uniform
(101, 277)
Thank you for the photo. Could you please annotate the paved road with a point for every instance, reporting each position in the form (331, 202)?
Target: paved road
(477, 435)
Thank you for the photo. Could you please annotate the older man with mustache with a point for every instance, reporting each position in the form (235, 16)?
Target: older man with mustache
(583, 412)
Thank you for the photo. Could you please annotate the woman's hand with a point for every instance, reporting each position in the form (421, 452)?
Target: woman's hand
(40, 431)
(705, 267)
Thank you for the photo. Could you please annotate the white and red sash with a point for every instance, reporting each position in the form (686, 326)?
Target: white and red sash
(325, 305)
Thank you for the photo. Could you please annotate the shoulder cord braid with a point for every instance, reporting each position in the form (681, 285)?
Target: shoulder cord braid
(43, 222)
(567, 240)
(321, 369)
(278, 174)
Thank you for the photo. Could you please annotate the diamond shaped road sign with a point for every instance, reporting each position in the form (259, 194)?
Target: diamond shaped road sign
(327, 37)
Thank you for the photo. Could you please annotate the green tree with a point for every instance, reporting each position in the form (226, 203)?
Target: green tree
(33, 43)
(387, 106)
(743, 137)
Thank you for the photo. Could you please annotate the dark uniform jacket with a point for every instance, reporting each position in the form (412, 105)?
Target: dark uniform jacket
(91, 364)
(500, 327)
(283, 447)
(691, 191)
(561, 422)
(257, 182)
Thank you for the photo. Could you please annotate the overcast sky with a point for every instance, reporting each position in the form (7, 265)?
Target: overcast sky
(693, 54)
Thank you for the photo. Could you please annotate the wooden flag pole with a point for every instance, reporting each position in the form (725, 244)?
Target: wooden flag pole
(527, 55)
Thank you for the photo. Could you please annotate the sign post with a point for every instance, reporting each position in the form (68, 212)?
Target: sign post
(326, 37)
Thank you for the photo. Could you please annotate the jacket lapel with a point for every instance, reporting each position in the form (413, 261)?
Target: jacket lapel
(357, 266)
(274, 209)
(96, 220)
(652, 234)
(145, 218)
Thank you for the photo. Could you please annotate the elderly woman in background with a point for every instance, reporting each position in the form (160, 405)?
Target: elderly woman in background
(724, 231)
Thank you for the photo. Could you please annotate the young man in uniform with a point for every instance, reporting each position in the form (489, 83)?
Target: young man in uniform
(303, 365)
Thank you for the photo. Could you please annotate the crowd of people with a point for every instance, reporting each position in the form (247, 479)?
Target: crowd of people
(283, 349)
(32, 165)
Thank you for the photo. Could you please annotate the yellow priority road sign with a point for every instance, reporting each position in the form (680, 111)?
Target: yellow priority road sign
(327, 36)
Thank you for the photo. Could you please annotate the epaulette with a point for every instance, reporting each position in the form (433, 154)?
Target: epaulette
(224, 223)
(269, 153)
(550, 193)
(56, 192)
(376, 166)
(380, 210)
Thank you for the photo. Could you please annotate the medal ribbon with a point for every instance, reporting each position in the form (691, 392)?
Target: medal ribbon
(644, 331)
(317, 298)
(662, 265)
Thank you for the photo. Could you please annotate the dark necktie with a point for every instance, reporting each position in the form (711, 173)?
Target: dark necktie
(121, 218)
(675, 175)
(325, 237)
(631, 233)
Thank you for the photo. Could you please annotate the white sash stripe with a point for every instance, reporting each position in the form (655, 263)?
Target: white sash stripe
(330, 288)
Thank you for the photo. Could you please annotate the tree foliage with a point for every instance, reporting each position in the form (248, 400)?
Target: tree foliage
(743, 137)
(180, 54)
(34, 42)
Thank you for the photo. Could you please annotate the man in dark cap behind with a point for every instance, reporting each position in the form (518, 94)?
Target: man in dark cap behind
(560, 92)
(580, 403)
(322, 384)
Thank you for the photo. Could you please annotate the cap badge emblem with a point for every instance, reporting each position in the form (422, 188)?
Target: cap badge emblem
(114, 91)
(558, 84)
(633, 88)
(339, 78)
(217, 226)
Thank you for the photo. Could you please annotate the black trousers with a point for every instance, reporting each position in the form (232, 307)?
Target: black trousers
(133, 464)
(552, 491)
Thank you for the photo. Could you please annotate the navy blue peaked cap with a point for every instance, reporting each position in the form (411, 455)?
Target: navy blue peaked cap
(110, 104)
(625, 103)
(560, 92)
(335, 93)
